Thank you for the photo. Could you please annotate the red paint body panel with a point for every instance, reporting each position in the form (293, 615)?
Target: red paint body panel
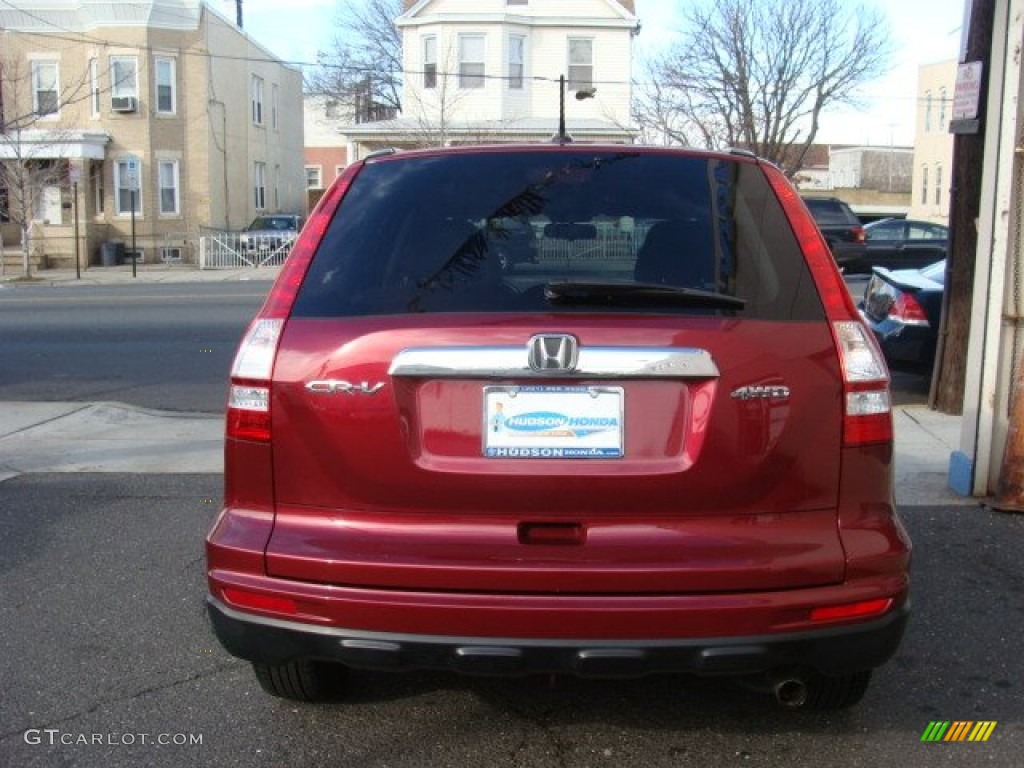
(477, 614)
(713, 493)
(751, 493)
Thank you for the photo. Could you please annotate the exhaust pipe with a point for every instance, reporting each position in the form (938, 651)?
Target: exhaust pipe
(790, 692)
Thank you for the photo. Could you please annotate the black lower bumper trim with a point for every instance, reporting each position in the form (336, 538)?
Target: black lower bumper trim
(835, 650)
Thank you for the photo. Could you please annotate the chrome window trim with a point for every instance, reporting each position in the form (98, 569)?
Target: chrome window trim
(592, 363)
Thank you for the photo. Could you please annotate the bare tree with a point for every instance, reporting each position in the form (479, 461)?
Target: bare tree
(759, 73)
(363, 65)
(29, 176)
(434, 99)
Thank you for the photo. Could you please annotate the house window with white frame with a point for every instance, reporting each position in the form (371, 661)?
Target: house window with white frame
(938, 184)
(257, 100)
(471, 61)
(165, 69)
(94, 86)
(928, 111)
(430, 61)
(124, 195)
(45, 87)
(314, 177)
(124, 77)
(581, 63)
(170, 198)
(942, 109)
(924, 185)
(259, 186)
(516, 48)
(277, 187)
(98, 192)
(275, 97)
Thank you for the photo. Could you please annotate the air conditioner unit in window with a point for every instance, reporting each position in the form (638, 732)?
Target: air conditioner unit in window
(123, 104)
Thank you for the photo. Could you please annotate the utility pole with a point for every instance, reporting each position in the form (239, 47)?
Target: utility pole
(950, 371)
(238, 13)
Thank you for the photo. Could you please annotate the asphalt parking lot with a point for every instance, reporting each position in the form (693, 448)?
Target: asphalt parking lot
(106, 652)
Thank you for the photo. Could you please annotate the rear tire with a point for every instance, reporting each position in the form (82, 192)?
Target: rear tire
(300, 679)
(826, 693)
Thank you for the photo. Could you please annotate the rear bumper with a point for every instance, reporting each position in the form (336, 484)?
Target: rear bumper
(833, 650)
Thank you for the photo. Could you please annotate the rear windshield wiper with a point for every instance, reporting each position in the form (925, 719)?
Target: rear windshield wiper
(637, 295)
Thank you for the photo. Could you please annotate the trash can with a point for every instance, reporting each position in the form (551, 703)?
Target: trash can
(112, 253)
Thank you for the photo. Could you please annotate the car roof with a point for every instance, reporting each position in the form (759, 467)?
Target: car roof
(554, 146)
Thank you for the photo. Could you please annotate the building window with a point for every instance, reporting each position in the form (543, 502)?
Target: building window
(169, 197)
(471, 61)
(275, 95)
(516, 46)
(942, 108)
(338, 170)
(257, 100)
(314, 177)
(166, 96)
(430, 62)
(938, 185)
(99, 204)
(45, 87)
(928, 111)
(259, 186)
(581, 63)
(924, 185)
(277, 187)
(124, 76)
(94, 86)
(125, 193)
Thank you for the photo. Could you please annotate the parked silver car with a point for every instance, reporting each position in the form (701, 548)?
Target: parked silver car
(270, 232)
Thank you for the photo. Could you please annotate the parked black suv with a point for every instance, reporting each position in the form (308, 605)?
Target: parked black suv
(843, 231)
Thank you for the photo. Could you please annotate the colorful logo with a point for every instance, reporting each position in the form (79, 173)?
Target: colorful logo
(958, 730)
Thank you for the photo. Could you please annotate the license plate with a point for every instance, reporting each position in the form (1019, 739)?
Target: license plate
(553, 422)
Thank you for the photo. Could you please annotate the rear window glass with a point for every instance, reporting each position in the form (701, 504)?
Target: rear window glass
(509, 230)
(831, 213)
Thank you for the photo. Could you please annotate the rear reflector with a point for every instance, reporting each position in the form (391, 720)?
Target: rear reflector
(851, 610)
(256, 601)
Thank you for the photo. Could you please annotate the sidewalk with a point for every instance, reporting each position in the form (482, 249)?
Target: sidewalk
(112, 437)
(144, 273)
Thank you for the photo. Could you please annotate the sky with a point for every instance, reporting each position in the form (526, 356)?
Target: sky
(922, 32)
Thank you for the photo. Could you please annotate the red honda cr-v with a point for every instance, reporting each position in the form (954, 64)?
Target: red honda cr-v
(657, 440)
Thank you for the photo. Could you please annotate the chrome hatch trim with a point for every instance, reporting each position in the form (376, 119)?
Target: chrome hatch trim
(591, 363)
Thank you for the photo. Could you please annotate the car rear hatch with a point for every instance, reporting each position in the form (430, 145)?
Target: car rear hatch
(596, 439)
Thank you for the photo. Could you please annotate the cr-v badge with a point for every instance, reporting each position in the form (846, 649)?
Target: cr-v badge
(332, 386)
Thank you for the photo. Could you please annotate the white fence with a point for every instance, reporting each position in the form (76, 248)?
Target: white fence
(231, 250)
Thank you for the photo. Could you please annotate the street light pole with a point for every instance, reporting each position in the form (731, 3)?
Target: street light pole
(581, 93)
(562, 135)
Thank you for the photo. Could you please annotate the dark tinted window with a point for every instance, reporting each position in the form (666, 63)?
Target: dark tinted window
(489, 231)
(831, 213)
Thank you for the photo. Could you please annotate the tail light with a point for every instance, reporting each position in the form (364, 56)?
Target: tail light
(908, 311)
(248, 411)
(867, 408)
(859, 235)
